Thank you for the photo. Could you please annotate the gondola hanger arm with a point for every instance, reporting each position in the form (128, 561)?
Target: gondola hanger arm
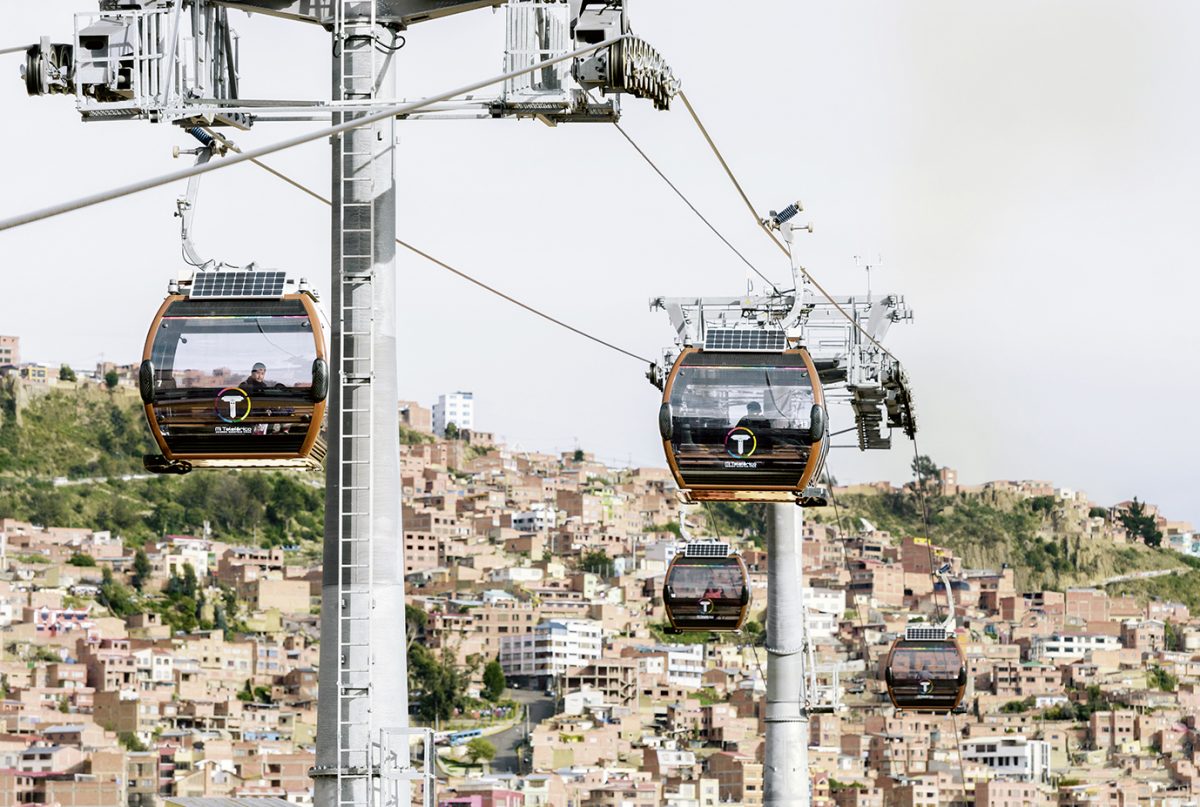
(944, 573)
(185, 206)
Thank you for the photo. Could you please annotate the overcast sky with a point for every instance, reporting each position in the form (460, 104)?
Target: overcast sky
(1028, 172)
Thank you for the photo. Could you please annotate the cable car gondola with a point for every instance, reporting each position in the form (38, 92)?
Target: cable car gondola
(926, 670)
(743, 425)
(234, 374)
(707, 589)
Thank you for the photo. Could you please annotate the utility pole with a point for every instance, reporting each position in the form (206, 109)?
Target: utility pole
(785, 765)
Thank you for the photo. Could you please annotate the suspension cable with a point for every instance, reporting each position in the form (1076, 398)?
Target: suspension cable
(749, 641)
(291, 142)
(537, 312)
(688, 202)
(729, 173)
(946, 591)
(17, 49)
(762, 225)
(862, 624)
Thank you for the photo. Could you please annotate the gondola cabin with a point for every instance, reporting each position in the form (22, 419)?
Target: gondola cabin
(926, 670)
(743, 425)
(706, 589)
(234, 374)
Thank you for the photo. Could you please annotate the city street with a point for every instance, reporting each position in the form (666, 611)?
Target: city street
(540, 707)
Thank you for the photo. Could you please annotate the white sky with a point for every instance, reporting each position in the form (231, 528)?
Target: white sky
(1027, 171)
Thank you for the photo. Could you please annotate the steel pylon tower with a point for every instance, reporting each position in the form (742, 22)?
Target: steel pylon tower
(362, 725)
(786, 780)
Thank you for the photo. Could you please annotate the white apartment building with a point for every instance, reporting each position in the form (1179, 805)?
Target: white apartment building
(1070, 646)
(684, 663)
(825, 608)
(457, 408)
(516, 574)
(1010, 756)
(554, 646)
(539, 518)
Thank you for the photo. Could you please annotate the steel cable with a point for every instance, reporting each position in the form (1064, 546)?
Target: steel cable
(761, 224)
(946, 592)
(688, 202)
(549, 318)
(291, 142)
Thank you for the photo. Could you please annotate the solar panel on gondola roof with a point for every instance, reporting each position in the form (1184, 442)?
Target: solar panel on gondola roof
(235, 285)
(755, 339)
(707, 549)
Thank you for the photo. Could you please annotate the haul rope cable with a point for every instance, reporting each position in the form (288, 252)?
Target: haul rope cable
(300, 186)
(946, 592)
(298, 140)
(862, 624)
(760, 222)
(687, 202)
(751, 642)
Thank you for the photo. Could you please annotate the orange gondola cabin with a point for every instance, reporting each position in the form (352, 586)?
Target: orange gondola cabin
(926, 670)
(234, 374)
(706, 589)
(744, 425)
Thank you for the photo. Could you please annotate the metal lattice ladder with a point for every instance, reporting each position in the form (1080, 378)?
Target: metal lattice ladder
(356, 765)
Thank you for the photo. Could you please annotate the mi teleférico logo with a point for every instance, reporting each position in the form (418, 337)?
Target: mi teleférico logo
(740, 442)
(232, 404)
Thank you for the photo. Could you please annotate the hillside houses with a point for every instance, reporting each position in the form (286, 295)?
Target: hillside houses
(553, 567)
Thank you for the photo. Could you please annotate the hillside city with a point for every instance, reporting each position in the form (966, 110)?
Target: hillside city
(149, 672)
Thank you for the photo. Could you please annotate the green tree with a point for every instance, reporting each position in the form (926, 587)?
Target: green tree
(111, 379)
(414, 622)
(65, 373)
(493, 681)
(80, 559)
(115, 596)
(1158, 678)
(1016, 707)
(927, 475)
(141, 569)
(1172, 637)
(578, 455)
(1138, 523)
(452, 431)
(131, 741)
(440, 683)
(479, 749)
(1042, 504)
(597, 562)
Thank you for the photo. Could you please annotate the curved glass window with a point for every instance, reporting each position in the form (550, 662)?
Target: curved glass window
(693, 582)
(741, 419)
(218, 352)
(761, 397)
(926, 662)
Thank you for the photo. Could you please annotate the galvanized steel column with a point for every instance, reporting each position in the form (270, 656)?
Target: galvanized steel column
(785, 763)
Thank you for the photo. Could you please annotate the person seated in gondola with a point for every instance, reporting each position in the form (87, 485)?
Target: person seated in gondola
(714, 592)
(753, 418)
(257, 380)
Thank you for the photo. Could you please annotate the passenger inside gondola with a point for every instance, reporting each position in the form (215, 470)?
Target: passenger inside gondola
(925, 663)
(753, 419)
(257, 380)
